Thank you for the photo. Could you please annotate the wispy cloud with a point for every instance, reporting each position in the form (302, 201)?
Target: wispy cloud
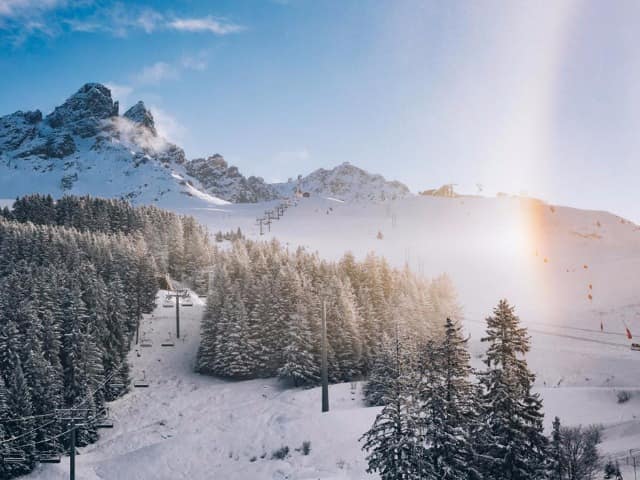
(19, 8)
(167, 126)
(120, 92)
(197, 62)
(155, 73)
(20, 19)
(206, 24)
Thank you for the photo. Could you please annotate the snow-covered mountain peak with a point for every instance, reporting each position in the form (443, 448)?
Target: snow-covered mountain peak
(346, 182)
(86, 147)
(82, 113)
(142, 116)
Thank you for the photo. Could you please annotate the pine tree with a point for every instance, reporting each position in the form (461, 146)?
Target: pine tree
(4, 435)
(446, 400)
(555, 460)
(511, 440)
(19, 404)
(380, 378)
(300, 365)
(393, 446)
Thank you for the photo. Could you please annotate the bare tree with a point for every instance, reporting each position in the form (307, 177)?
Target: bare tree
(580, 456)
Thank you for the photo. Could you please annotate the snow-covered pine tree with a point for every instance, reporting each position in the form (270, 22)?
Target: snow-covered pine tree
(393, 445)
(380, 379)
(300, 365)
(554, 452)
(4, 435)
(19, 404)
(511, 441)
(447, 412)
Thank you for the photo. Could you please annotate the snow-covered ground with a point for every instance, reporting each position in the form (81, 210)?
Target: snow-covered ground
(189, 426)
(541, 258)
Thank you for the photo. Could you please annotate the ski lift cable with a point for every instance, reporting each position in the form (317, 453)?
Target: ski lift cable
(24, 419)
(89, 395)
(13, 439)
(45, 440)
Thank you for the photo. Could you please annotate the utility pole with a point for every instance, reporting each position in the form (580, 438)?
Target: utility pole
(72, 456)
(72, 416)
(324, 367)
(177, 294)
(177, 315)
(138, 320)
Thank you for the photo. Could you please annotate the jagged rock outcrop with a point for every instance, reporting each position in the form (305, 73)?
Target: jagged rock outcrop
(140, 115)
(224, 181)
(82, 113)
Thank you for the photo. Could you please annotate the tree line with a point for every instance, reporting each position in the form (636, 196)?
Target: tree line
(439, 422)
(179, 245)
(264, 308)
(76, 275)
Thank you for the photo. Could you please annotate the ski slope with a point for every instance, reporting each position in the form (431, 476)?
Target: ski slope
(190, 426)
(519, 248)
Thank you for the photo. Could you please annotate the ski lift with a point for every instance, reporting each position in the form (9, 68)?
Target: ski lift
(103, 423)
(635, 346)
(187, 302)
(102, 419)
(168, 303)
(14, 456)
(49, 457)
(145, 342)
(168, 342)
(142, 383)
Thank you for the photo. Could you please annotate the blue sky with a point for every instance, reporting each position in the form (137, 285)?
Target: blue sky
(535, 97)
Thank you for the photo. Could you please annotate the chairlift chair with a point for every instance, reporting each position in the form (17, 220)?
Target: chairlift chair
(145, 342)
(14, 456)
(142, 383)
(103, 423)
(49, 457)
(635, 346)
(168, 303)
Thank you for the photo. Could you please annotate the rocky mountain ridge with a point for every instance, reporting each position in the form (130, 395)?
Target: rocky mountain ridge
(85, 146)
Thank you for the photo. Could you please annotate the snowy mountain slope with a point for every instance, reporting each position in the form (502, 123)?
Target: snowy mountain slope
(532, 253)
(345, 182)
(85, 147)
(195, 427)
